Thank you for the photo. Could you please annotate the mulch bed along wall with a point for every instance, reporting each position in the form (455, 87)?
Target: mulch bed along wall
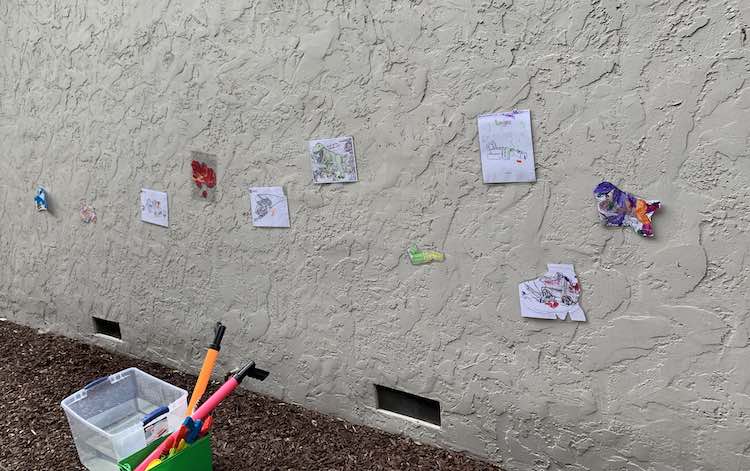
(252, 432)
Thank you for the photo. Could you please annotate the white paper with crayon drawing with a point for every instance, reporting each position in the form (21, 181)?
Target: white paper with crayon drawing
(554, 295)
(506, 147)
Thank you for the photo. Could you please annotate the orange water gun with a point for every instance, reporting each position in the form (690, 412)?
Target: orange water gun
(208, 367)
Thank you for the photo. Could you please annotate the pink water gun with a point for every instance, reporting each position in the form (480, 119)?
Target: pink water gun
(205, 410)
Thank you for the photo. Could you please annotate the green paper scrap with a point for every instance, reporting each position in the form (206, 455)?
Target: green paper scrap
(420, 257)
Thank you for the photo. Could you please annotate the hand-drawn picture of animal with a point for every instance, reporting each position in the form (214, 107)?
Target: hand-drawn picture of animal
(333, 160)
(265, 204)
(330, 164)
(269, 207)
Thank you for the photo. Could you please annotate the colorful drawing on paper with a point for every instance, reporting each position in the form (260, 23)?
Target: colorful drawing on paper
(203, 167)
(87, 213)
(269, 207)
(41, 199)
(333, 160)
(154, 207)
(619, 208)
(506, 147)
(554, 295)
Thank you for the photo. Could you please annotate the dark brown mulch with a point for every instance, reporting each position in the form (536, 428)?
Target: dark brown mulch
(252, 432)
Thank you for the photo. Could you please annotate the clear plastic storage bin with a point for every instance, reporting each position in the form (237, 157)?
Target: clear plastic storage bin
(114, 417)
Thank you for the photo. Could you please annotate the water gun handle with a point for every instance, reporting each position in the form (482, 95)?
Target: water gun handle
(202, 412)
(208, 367)
(205, 376)
(206, 409)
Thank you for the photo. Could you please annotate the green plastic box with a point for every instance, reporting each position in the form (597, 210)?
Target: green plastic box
(196, 457)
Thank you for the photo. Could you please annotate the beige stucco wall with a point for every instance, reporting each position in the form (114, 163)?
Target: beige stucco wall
(99, 99)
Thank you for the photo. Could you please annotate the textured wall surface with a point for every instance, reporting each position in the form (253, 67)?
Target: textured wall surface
(100, 98)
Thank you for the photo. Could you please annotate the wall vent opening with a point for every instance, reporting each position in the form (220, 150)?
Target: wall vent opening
(409, 405)
(108, 328)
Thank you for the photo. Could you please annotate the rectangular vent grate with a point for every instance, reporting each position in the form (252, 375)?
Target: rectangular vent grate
(409, 405)
(108, 328)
